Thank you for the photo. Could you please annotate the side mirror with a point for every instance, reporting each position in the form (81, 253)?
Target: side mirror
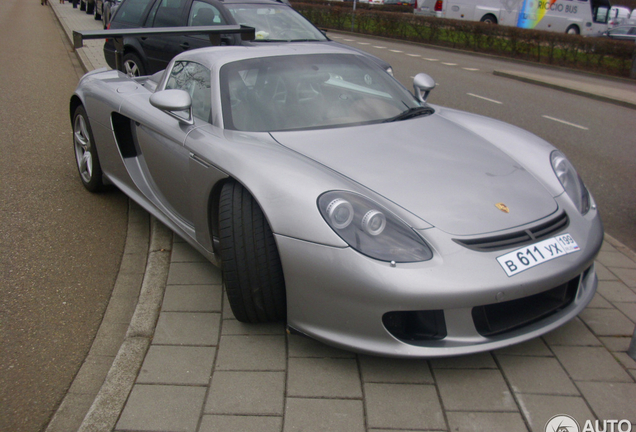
(172, 102)
(423, 85)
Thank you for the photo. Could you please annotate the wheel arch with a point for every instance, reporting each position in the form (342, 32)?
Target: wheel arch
(213, 206)
(132, 46)
(214, 198)
(493, 17)
(74, 103)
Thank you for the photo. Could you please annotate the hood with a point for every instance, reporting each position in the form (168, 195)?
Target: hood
(446, 175)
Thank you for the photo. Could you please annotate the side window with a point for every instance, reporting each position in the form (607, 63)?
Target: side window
(132, 12)
(166, 13)
(195, 79)
(204, 14)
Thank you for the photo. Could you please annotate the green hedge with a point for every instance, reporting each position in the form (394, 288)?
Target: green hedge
(600, 55)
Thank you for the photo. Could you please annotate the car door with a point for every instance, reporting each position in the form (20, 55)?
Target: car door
(161, 140)
(160, 50)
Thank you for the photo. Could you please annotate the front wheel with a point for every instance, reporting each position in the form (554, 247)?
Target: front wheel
(252, 271)
(573, 30)
(86, 157)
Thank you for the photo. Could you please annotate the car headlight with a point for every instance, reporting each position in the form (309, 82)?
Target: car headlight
(371, 229)
(571, 181)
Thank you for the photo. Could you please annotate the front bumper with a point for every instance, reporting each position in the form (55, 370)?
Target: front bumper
(339, 297)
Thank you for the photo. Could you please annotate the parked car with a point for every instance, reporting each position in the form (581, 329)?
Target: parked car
(88, 6)
(104, 10)
(624, 32)
(340, 203)
(399, 2)
(274, 22)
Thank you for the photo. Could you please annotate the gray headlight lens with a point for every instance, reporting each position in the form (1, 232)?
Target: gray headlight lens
(371, 229)
(572, 183)
(340, 213)
(374, 222)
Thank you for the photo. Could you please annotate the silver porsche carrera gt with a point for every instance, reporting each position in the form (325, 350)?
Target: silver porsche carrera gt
(338, 202)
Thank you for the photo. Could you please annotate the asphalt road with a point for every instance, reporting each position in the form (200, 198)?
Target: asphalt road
(599, 138)
(60, 246)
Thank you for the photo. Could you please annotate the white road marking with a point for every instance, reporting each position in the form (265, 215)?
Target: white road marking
(565, 122)
(485, 98)
(431, 60)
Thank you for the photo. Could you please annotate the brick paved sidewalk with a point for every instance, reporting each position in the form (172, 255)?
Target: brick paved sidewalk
(205, 371)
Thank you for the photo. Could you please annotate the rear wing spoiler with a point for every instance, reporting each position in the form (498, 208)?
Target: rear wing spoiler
(214, 32)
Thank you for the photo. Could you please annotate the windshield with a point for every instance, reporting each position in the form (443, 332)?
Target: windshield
(275, 23)
(309, 92)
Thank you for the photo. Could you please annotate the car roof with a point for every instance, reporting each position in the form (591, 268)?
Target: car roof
(216, 56)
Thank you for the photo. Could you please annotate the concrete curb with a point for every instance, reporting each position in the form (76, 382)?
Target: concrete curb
(112, 331)
(110, 401)
(531, 80)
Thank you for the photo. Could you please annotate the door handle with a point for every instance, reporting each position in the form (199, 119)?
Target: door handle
(185, 45)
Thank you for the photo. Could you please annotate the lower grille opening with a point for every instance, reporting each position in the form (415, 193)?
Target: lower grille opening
(499, 318)
(414, 327)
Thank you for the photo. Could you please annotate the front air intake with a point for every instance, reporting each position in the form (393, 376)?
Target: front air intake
(416, 327)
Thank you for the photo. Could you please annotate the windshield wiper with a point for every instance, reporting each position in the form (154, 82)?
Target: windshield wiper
(410, 113)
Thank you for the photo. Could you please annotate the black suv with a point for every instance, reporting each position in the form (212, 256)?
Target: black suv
(274, 22)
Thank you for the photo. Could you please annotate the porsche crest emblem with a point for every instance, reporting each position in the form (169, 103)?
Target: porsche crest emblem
(504, 208)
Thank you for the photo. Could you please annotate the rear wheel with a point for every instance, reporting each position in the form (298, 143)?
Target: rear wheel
(132, 65)
(86, 157)
(489, 19)
(573, 30)
(98, 15)
(252, 272)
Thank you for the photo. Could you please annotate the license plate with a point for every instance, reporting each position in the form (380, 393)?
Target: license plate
(538, 253)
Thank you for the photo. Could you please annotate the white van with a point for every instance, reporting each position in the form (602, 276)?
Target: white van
(586, 17)
(617, 15)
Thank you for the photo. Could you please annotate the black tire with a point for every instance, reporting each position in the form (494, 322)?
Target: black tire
(82, 5)
(132, 65)
(573, 29)
(252, 271)
(98, 16)
(90, 8)
(86, 157)
(489, 19)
